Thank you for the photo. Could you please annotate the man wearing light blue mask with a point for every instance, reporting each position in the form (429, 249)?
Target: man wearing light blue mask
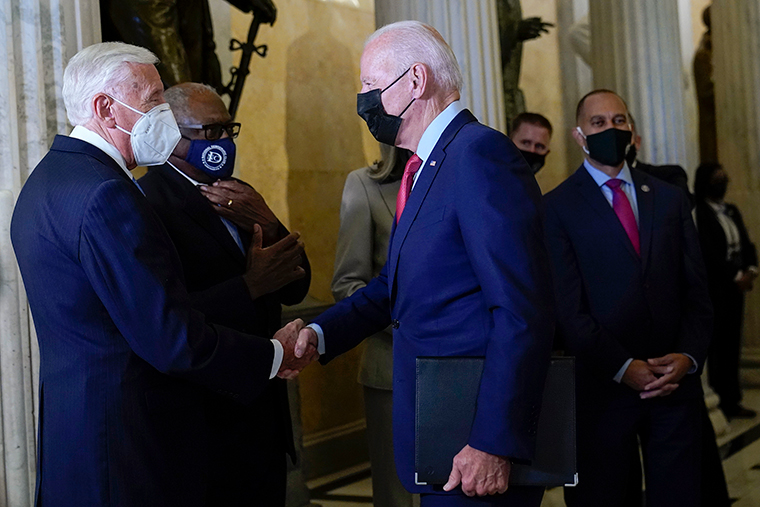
(240, 265)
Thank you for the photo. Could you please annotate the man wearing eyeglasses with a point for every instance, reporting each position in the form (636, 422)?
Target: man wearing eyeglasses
(240, 264)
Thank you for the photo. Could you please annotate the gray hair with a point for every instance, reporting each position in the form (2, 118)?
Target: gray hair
(179, 96)
(99, 68)
(415, 42)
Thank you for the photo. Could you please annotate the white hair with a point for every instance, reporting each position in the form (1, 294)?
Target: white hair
(99, 68)
(415, 42)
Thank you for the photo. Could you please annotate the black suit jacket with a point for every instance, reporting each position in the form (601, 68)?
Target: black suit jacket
(213, 265)
(721, 272)
(613, 305)
(673, 174)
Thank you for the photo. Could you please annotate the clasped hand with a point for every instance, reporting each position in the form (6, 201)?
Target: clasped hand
(299, 345)
(658, 376)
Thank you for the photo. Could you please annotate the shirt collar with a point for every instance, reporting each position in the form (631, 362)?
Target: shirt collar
(716, 206)
(188, 178)
(84, 134)
(600, 178)
(434, 131)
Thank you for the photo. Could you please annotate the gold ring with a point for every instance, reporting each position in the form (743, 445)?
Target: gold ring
(229, 203)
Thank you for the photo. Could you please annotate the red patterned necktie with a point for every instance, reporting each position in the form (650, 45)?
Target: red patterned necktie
(622, 207)
(412, 166)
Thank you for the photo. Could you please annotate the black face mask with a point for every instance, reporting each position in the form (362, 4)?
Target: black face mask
(717, 191)
(534, 160)
(609, 146)
(630, 157)
(383, 126)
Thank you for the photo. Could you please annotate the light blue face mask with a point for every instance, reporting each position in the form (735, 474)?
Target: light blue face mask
(214, 158)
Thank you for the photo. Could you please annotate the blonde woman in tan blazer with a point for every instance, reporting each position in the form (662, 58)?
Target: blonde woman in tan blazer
(366, 219)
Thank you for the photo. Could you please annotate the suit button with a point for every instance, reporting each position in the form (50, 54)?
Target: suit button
(395, 324)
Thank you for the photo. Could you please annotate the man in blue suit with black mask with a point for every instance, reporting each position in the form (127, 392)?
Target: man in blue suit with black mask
(467, 272)
(633, 307)
(123, 357)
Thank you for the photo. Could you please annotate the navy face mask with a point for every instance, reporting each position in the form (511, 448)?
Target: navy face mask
(214, 158)
(383, 126)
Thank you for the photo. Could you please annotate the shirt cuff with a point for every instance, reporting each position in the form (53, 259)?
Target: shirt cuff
(279, 352)
(320, 337)
(694, 365)
(619, 377)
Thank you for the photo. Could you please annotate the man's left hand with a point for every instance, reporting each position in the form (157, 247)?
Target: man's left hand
(244, 206)
(672, 369)
(479, 473)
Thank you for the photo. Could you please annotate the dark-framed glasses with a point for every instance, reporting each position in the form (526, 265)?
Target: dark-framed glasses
(214, 131)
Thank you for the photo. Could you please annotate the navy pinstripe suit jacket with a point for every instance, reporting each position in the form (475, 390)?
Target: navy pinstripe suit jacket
(122, 355)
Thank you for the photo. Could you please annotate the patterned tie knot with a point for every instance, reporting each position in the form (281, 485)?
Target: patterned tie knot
(614, 183)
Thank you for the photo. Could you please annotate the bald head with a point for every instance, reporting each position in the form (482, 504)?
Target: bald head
(594, 97)
(196, 104)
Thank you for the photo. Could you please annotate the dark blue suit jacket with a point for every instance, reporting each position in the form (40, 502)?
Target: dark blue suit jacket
(121, 351)
(613, 305)
(467, 275)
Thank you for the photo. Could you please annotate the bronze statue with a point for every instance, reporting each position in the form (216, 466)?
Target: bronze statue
(513, 31)
(179, 32)
(703, 78)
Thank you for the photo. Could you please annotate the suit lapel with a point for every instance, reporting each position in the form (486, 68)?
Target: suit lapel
(199, 210)
(645, 201)
(429, 171)
(595, 198)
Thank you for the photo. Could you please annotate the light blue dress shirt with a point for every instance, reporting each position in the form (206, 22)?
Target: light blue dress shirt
(628, 186)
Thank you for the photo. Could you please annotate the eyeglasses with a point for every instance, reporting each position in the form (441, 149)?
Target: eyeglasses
(213, 131)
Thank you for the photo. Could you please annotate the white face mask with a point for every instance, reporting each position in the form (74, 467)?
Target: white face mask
(154, 136)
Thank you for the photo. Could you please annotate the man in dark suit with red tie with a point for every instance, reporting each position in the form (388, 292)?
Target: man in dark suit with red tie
(633, 307)
(467, 271)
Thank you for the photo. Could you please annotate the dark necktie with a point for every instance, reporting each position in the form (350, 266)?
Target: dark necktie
(412, 166)
(622, 207)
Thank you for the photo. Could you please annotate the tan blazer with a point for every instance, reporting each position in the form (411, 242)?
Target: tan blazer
(366, 218)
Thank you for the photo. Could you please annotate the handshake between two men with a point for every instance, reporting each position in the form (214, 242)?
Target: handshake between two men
(300, 348)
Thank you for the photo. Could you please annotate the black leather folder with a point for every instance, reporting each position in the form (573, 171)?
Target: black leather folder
(447, 390)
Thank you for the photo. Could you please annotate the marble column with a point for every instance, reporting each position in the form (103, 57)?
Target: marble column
(37, 38)
(636, 51)
(736, 73)
(471, 29)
